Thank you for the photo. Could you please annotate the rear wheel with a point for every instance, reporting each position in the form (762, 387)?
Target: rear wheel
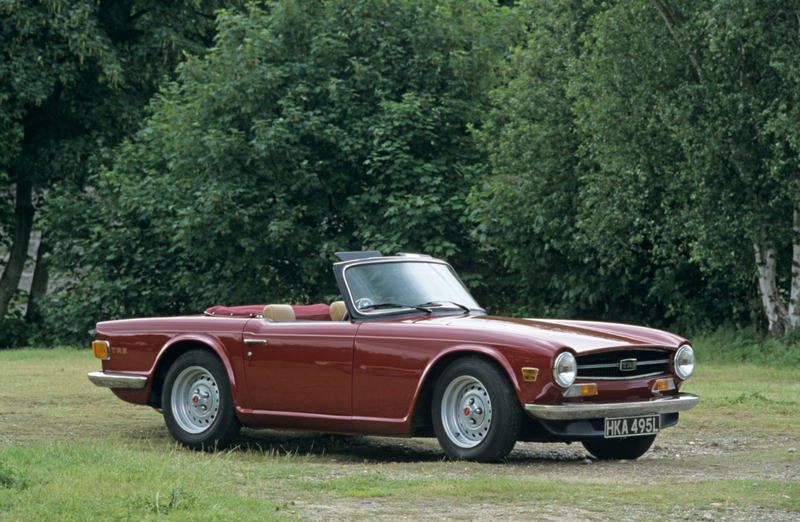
(197, 402)
(476, 414)
(628, 448)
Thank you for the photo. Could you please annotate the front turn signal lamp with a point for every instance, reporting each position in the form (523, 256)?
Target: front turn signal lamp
(101, 350)
(662, 385)
(581, 390)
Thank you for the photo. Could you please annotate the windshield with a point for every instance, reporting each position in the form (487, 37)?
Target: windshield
(402, 284)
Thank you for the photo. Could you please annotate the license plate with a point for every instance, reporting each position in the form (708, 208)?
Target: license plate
(632, 426)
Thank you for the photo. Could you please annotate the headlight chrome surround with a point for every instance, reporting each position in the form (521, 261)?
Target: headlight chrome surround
(684, 362)
(565, 369)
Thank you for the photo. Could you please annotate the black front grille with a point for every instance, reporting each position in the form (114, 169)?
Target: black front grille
(618, 365)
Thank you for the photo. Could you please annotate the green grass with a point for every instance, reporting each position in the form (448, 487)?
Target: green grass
(736, 346)
(72, 451)
(112, 480)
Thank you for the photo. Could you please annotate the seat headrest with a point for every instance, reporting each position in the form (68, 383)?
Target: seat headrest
(278, 312)
(338, 309)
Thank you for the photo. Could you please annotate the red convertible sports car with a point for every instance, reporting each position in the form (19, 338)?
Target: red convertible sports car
(406, 353)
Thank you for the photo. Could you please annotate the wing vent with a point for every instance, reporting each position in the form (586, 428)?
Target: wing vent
(623, 365)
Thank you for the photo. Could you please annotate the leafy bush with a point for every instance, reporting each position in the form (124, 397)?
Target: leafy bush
(310, 128)
(537, 210)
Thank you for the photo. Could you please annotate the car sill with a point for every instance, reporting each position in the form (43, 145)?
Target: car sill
(116, 380)
(578, 411)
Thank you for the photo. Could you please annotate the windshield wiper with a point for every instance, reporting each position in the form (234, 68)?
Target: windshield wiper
(421, 308)
(433, 303)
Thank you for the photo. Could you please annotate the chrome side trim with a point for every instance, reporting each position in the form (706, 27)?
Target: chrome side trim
(117, 380)
(584, 410)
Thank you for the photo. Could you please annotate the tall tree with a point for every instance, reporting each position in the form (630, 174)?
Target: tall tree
(309, 128)
(690, 105)
(75, 75)
(579, 241)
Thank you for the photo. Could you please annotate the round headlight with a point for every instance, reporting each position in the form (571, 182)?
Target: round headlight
(565, 369)
(684, 361)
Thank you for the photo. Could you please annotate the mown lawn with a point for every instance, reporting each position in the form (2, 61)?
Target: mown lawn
(72, 451)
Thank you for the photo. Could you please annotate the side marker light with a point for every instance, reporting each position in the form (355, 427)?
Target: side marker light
(530, 374)
(101, 350)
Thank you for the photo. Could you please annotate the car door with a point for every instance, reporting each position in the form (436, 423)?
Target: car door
(300, 366)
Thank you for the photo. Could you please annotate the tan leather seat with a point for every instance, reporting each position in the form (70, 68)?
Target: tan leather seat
(278, 312)
(338, 309)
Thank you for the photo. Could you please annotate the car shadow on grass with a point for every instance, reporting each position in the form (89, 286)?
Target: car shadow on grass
(367, 449)
(363, 449)
(342, 448)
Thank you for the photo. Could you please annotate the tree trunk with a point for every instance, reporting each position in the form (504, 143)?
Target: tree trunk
(23, 223)
(794, 296)
(775, 308)
(674, 24)
(41, 275)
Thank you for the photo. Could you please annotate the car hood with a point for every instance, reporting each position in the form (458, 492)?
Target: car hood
(581, 336)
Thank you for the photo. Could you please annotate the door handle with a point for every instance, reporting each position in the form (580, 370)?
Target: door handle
(255, 341)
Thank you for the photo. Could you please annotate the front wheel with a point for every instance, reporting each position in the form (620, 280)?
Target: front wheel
(629, 448)
(197, 402)
(476, 414)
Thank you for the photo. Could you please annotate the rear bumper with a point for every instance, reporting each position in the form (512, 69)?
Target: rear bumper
(581, 411)
(117, 380)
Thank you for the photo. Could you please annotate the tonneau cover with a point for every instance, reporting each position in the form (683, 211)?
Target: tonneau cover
(315, 312)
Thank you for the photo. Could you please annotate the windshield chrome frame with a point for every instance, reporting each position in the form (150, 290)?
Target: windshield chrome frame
(355, 312)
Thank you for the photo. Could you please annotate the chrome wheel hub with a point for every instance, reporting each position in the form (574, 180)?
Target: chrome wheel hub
(201, 399)
(466, 411)
(195, 399)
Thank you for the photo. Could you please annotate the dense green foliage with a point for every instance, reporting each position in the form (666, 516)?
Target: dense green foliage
(307, 129)
(540, 205)
(682, 118)
(656, 126)
(608, 160)
(74, 77)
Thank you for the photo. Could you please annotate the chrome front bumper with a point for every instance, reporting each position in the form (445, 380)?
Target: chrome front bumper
(117, 380)
(584, 410)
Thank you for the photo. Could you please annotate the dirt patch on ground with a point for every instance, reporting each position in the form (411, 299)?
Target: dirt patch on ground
(677, 456)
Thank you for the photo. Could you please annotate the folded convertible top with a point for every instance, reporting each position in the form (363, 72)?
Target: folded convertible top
(315, 312)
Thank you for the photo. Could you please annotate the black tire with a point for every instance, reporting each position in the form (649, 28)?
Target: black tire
(629, 448)
(197, 402)
(476, 414)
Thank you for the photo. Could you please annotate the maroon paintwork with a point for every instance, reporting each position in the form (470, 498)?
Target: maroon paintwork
(364, 377)
(407, 352)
